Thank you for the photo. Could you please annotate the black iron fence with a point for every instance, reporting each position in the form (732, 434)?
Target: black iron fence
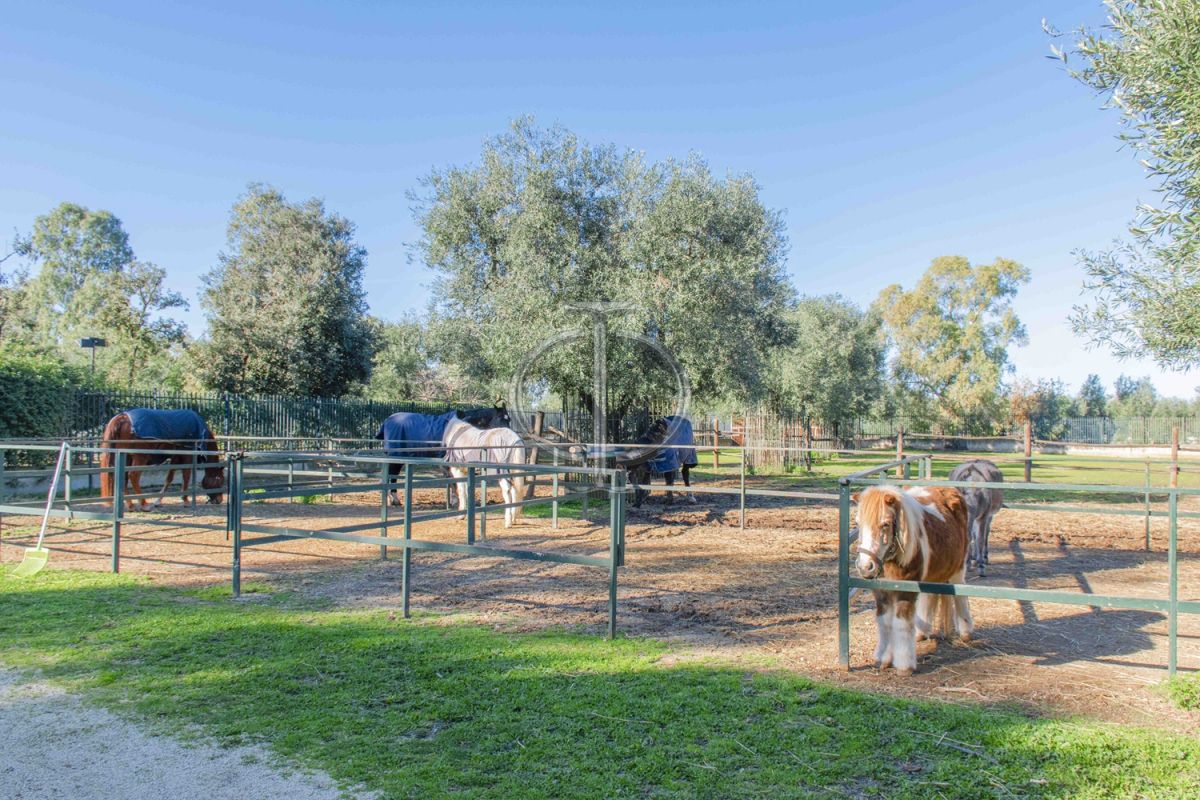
(237, 415)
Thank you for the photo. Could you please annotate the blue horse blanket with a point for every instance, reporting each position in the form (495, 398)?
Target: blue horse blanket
(679, 432)
(184, 425)
(404, 431)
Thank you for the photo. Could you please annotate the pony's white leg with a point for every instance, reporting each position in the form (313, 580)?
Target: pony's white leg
(926, 606)
(964, 625)
(883, 623)
(904, 643)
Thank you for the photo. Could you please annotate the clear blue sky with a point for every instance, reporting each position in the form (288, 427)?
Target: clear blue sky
(889, 132)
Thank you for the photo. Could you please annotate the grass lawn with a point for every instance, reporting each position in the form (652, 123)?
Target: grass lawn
(436, 707)
(1046, 469)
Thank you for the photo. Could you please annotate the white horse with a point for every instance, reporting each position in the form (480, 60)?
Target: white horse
(465, 443)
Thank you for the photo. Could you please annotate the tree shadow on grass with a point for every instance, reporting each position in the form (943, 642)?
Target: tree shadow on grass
(419, 709)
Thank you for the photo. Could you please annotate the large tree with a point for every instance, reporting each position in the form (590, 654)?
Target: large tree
(949, 338)
(1146, 63)
(130, 313)
(545, 220)
(833, 369)
(87, 282)
(286, 306)
(1092, 400)
(404, 369)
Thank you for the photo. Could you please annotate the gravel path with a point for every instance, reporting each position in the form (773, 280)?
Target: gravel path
(55, 747)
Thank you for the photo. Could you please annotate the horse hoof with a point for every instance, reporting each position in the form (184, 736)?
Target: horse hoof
(966, 637)
(922, 636)
(691, 498)
(904, 672)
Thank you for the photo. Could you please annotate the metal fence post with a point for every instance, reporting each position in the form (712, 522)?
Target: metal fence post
(195, 483)
(118, 508)
(470, 505)
(844, 573)
(1175, 457)
(742, 494)
(235, 520)
(1147, 505)
(405, 572)
(383, 510)
(3, 486)
(554, 493)
(1173, 580)
(615, 497)
(67, 487)
(483, 500)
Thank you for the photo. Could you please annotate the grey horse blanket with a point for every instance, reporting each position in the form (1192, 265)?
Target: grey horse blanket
(403, 433)
(679, 432)
(183, 425)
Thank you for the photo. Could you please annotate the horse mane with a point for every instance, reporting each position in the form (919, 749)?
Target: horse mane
(912, 519)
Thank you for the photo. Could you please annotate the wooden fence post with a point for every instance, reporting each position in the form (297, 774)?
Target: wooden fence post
(716, 442)
(1175, 457)
(1028, 451)
(900, 451)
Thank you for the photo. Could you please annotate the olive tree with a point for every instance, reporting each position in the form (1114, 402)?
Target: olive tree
(1145, 63)
(545, 221)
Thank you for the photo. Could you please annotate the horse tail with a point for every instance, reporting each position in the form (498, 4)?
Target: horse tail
(945, 613)
(115, 431)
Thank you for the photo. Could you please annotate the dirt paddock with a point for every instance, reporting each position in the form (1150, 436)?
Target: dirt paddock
(765, 597)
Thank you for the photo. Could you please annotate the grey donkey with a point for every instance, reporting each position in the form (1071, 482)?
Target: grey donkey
(982, 506)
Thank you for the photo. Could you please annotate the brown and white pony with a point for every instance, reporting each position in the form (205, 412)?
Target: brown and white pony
(915, 535)
(119, 435)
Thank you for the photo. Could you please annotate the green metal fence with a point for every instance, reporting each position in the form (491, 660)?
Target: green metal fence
(1171, 605)
(254, 477)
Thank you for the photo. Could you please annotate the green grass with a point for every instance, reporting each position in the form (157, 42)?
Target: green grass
(1184, 690)
(436, 707)
(1046, 469)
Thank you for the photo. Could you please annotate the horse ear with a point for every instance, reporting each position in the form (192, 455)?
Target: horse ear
(854, 497)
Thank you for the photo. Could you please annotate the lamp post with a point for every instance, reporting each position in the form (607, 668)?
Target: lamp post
(93, 342)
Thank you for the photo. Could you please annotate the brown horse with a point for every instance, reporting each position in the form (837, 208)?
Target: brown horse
(915, 535)
(147, 429)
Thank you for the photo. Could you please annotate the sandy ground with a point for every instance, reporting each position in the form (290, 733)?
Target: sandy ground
(766, 595)
(58, 748)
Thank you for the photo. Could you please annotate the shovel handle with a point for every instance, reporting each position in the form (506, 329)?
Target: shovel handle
(62, 451)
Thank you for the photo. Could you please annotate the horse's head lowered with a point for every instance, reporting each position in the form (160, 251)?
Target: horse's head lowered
(214, 478)
(888, 527)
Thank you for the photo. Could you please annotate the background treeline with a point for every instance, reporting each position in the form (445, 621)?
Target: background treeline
(541, 223)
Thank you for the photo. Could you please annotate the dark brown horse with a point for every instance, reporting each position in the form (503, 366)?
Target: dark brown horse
(149, 429)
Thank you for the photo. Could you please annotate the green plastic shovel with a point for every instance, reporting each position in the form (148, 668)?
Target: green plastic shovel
(36, 557)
